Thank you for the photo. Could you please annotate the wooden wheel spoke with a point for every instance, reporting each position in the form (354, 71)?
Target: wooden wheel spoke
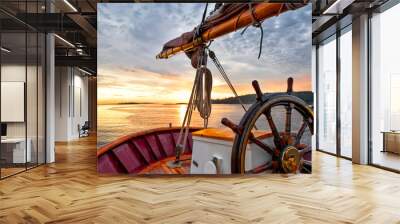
(277, 137)
(306, 170)
(286, 148)
(288, 123)
(289, 107)
(306, 165)
(260, 169)
(300, 132)
(304, 151)
(261, 144)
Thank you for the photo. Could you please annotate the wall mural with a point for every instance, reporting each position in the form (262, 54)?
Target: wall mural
(198, 88)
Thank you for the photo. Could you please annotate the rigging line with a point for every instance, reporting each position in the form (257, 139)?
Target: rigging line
(198, 28)
(181, 143)
(216, 7)
(196, 92)
(179, 147)
(258, 24)
(204, 14)
(261, 41)
(225, 77)
(184, 132)
(229, 83)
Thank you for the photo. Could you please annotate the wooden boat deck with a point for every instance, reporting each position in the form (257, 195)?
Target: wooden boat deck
(161, 167)
(71, 191)
(227, 134)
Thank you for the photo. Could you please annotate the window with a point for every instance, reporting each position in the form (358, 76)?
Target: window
(346, 93)
(22, 77)
(385, 89)
(327, 96)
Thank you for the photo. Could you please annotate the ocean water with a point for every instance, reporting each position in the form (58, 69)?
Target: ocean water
(115, 121)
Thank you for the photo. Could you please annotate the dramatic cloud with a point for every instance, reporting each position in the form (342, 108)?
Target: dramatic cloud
(131, 35)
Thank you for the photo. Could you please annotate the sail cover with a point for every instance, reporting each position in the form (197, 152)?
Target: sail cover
(226, 19)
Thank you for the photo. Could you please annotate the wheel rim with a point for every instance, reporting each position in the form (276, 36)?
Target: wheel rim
(284, 158)
(248, 122)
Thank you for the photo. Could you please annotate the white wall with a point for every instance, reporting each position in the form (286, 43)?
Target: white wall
(62, 81)
(33, 126)
(16, 73)
(80, 109)
(71, 102)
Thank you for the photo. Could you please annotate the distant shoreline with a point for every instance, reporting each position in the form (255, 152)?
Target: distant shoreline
(138, 103)
(307, 96)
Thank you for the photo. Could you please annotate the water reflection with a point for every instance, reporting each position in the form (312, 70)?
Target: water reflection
(117, 120)
(182, 112)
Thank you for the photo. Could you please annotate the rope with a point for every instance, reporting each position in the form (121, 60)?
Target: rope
(204, 14)
(225, 77)
(200, 98)
(197, 32)
(258, 24)
(216, 7)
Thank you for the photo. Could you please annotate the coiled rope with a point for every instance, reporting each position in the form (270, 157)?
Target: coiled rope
(202, 98)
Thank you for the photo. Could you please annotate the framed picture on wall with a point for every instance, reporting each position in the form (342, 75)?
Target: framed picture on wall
(204, 88)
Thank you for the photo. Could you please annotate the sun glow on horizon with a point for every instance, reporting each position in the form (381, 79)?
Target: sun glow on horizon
(182, 96)
(143, 86)
(182, 112)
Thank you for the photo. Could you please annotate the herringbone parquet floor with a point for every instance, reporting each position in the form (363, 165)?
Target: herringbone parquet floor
(70, 191)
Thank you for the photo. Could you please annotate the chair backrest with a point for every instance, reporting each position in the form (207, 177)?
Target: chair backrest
(86, 125)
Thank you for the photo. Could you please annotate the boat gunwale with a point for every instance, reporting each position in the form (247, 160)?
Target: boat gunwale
(123, 139)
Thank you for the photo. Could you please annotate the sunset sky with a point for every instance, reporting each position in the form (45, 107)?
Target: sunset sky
(130, 35)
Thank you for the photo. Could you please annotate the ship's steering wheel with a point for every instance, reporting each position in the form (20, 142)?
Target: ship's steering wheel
(288, 148)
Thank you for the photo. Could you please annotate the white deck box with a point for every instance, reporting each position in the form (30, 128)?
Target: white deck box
(212, 149)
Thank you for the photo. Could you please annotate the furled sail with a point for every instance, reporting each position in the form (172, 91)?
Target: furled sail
(228, 18)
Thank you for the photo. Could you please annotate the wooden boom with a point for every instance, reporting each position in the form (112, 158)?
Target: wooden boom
(261, 12)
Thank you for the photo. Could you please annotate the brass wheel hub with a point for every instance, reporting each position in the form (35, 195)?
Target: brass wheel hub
(290, 159)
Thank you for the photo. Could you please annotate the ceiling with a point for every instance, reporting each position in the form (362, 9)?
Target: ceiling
(73, 21)
(329, 16)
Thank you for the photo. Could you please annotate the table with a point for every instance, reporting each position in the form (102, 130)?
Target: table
(391, 141)
(13, 150)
